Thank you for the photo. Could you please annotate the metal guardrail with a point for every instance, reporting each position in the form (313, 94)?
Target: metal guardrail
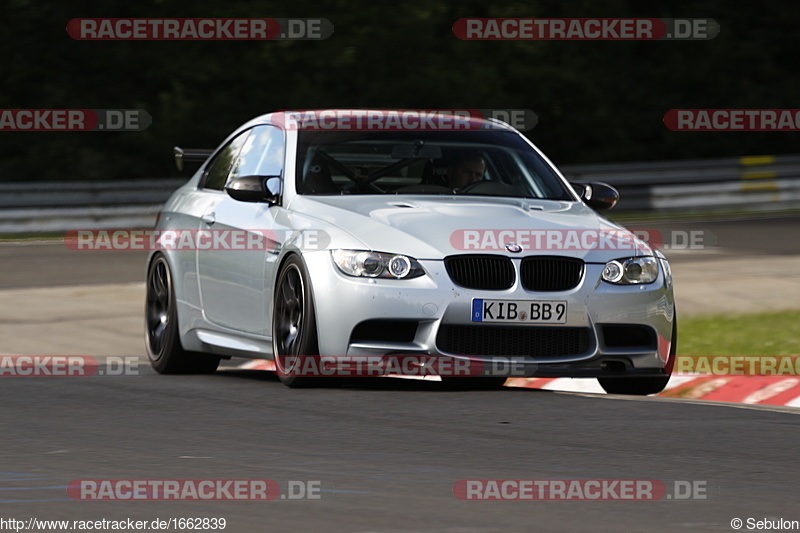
(759, 182)
(89, 193)
(756, 182)
(53, 207)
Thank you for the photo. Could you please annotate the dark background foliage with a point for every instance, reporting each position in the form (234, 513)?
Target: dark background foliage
(596, 101)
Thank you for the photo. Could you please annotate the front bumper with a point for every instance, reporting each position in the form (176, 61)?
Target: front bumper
(434, 302)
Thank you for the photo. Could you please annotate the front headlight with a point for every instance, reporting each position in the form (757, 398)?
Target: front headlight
(636, 270)
(365, 264)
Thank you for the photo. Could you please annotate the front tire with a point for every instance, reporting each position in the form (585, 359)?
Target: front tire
(294, 324)
(473, 383)
(634, 386)
(161, 327)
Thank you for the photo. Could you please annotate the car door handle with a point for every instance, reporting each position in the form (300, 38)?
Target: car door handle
(209, 218)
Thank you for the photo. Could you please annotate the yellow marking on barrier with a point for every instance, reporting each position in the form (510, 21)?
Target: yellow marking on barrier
(757, 160)
(762, 186)
(759, 175)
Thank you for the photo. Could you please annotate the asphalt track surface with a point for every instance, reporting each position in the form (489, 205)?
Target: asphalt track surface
(386, 453)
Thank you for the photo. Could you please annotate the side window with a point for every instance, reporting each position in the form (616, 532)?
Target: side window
(217, 172)
(262, 154)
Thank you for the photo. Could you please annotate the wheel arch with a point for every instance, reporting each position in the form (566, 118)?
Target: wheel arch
(281, 264)
(182, 303)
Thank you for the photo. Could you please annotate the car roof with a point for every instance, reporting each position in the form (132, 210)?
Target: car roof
(471, 116)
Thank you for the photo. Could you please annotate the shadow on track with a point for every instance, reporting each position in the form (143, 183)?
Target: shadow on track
(369, 384)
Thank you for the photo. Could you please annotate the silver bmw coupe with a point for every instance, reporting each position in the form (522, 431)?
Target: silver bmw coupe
(363, 234)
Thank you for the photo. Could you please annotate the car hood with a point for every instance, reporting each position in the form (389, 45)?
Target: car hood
(430, 227)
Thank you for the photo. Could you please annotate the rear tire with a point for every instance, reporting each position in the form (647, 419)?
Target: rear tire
(161, 327)
(294, 323)
(644, 386)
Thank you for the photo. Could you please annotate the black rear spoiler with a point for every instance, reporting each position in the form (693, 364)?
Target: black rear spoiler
(190, 154)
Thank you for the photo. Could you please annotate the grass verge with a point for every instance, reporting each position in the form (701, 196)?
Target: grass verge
(773, 333)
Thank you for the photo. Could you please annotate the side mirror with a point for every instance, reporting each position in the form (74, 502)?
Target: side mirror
(255, 189)
(597, 195)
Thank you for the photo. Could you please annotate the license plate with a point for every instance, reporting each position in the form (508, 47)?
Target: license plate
(519, 311)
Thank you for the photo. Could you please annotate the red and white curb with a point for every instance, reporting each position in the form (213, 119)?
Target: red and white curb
(257, 364)
(759, 390)
(754, 390)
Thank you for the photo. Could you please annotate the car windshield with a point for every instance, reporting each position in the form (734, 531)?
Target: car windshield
(490, 163)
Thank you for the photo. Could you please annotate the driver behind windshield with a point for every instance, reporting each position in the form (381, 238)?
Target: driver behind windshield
(466, 170)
